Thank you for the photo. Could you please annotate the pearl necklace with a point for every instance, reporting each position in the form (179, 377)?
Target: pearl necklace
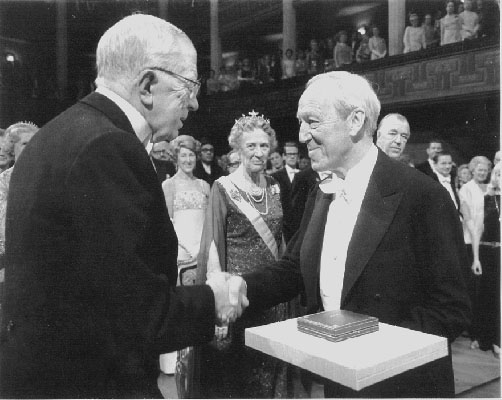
(252, 201)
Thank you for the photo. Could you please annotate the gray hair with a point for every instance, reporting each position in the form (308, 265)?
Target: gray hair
(137, 42)
(345, 92)
(397, 116)
(249, 124)
(475, 161)
(13, 134)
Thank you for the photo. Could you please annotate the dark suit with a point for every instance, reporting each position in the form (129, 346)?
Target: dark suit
(303, 182)
(163, 168)
(91, 265)
(403, 266)
(425, 168)
(452, 184)
(200, 172)
(282, 178)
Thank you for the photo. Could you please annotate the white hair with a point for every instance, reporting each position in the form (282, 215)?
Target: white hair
(397, 116)
(345, 92)
(137, 42)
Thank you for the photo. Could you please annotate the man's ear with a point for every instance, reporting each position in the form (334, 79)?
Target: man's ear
(356, 121)
(145, 82)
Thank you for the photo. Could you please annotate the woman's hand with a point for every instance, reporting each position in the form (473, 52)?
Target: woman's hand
(476, 268)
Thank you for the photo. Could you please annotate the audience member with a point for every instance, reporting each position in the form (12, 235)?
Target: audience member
(6, 158)
(227, 79)
(234, 160)
(342, 54)
(242, 232)
(276, 65)
(463, 176)
(496, 158)
(363, 53)
(469, 22)
(207, 168)
(264, 69)
(472, 207)
(355, 42)
(427, 167)
(414, 36)
(486, 265)
(489, 18)
(431, 39)
(301, 65)
(285, 177)
(328, 48)
(276, 162)
(377, 45)
(246, 72)
(392, 134)
(186, 200)
(315, 63)
(90, 252)
(443, 162)
(162, 159)
(212, 84)
(393, 234)
(450, 25)
(222, 162)
(288, 65)
(303, 162)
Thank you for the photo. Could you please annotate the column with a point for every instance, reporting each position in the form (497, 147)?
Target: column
(215, 36)
(61, 48)
(163, 9)
(288, 26)
(397, 22)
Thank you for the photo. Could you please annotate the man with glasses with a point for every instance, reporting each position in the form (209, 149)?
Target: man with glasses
(207, 168)
(392, 135)
(91, 298)
(285, 178)
(163, 160)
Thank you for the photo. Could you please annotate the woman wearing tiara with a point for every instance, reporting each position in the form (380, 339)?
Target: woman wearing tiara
(242, 233)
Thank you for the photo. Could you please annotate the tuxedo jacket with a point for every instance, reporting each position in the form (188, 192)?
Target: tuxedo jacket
(164, 168)
(453, 187)
(91, 296)
(200, 172)
(282, 178)
(303, 183)
(403, 266)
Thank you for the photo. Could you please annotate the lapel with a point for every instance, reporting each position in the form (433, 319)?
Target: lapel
(378, 208)
(310, 252)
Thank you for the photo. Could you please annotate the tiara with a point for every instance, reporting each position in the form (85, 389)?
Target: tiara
(28, 123)
(251, 118)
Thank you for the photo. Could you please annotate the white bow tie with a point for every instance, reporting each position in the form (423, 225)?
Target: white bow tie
(445, 179)
(334, 185)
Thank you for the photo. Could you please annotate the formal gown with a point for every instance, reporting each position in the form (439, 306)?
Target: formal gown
(489, 293)
(450, 25)
(229, 369)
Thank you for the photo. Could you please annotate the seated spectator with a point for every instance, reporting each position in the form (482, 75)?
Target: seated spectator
(301, 65)
(342, 54)
(463, 175)
(414, 36)
(469, 22)
(315, 62)
(212, 84)
(431, 39)
(288, 65)
(363, 53)
(450, 25)
(489, 18)
(377, 45)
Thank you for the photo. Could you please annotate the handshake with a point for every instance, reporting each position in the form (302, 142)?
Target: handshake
(230, 296)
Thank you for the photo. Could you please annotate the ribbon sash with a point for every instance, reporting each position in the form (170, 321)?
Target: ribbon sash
(251, 214)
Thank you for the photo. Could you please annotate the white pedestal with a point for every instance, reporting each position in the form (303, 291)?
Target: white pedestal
(357, 362)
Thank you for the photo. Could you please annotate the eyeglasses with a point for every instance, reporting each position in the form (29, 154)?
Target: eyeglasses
(193, 87)
(291, 154)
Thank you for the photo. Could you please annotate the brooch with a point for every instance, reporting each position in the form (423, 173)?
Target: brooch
(235, 195)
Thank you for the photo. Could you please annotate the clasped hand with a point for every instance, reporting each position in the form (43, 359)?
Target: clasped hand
(230, 296)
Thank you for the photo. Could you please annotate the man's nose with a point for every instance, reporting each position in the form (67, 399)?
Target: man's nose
(193, 103)
(304, 133)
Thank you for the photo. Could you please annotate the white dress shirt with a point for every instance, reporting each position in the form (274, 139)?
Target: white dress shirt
(138, 122)
(291, 172)
(446, 182)
(340, 222)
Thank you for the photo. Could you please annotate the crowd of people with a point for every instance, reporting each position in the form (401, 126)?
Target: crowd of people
(465, 21)
(129, 249)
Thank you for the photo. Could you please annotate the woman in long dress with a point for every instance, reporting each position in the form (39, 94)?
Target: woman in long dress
(450, 26)
(242, 233)
(186, 200)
